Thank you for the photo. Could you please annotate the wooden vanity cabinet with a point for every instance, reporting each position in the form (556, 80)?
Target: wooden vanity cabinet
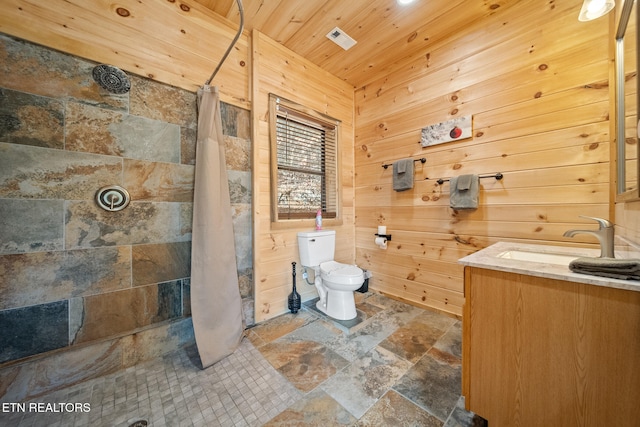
(545, 352)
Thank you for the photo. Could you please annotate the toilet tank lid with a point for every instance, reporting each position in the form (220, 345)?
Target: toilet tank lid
(306, 234)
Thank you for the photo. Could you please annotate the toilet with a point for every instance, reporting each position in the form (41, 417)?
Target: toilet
(334, 281)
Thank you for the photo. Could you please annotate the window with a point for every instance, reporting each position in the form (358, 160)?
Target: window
(304, 162)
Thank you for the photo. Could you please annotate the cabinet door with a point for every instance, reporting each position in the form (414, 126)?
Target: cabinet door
(547, 352)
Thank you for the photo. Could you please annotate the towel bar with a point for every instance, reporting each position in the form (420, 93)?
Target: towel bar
(497, 176)
(422, 160)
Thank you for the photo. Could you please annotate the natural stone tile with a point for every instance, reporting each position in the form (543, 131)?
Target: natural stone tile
(186, 220)
(463, 418)
(278, 353)
(369, 310)
(315, 409)
(163, 102)
(394, 410)
(433, 385)
(245, 282)
(364, 381)
(248, 311)
(322, 331)
(101, 131)
(114, 313)
(395, 313)
(282, 325)
(237, 153)
(400, 312)
(160, 262)
(160, 182)
(188, 140)
(450, 344)
(35, 278)
(445, 357)
(350, 326)
(169, 300)
(242, 220)
(414, 339)
(306, 364)
(236, 121)
(32, 330)
(42, 173)
(255, 339)
(87, 225)
(31, 68)
(33, 379)
(350, 346)
(239, 187)
(31, 225)
(154, 342)
(31, 120)
(186, 297)
(76, 314)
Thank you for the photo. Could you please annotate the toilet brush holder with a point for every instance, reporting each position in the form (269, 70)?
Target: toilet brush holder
(294, 296)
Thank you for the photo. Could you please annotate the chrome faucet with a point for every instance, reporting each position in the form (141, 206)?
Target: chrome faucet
(604, 234)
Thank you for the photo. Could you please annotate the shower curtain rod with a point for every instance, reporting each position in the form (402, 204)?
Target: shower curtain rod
(235, 39)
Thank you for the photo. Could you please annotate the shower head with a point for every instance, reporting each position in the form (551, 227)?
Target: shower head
(111, 78)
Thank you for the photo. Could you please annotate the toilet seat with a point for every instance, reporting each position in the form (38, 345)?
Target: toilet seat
(341, 274)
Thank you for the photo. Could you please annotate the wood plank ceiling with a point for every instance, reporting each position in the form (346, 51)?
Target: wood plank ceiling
(387, 33)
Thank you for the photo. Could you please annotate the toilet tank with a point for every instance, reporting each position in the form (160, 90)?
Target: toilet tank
(316, 247)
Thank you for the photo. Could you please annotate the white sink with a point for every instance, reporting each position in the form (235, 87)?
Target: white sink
(543, 257)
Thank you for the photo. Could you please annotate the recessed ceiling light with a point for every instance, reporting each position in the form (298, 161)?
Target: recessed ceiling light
(403, 2)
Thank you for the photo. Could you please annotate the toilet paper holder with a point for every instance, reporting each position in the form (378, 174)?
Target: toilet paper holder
(386, 236)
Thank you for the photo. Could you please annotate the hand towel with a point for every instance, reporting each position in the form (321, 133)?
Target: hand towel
(403, 175)
(613, 268)
(463, 192)
(464, 182)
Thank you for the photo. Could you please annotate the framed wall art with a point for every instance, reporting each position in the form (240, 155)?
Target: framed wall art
(451, 130)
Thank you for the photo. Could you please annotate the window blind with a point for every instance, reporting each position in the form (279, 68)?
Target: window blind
(307, 166)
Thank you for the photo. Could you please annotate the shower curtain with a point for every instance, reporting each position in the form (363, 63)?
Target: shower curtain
(216, 305)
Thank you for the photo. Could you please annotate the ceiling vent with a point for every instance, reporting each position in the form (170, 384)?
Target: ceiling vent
(341, 38)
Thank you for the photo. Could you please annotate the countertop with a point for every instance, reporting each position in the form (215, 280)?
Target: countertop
(487, 258)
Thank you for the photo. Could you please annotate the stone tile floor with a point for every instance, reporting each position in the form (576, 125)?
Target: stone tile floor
(394, 365)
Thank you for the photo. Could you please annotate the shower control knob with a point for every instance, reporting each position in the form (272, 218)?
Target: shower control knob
(112, 198)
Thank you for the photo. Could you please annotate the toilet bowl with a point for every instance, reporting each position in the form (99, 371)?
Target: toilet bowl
(334, 281)
(341, 280)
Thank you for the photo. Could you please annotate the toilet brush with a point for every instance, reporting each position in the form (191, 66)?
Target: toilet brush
(294, 296)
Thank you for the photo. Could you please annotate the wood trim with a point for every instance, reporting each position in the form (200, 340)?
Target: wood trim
(466, 340)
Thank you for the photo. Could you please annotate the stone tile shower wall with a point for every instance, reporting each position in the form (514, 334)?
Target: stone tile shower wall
(83, 291)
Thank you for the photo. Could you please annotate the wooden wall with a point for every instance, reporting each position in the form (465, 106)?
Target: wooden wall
(172, 42)
(278, 70)
(535, 80)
